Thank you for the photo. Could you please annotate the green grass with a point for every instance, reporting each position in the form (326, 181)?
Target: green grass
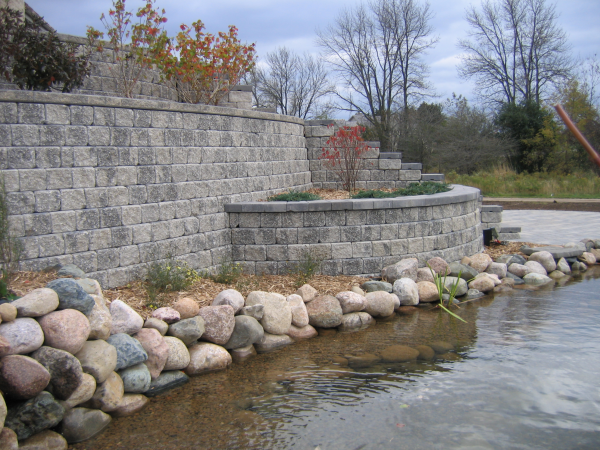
(425, 188)
(502, 182)
(293, 196)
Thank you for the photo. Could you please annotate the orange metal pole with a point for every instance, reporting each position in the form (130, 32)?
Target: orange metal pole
(582, 140)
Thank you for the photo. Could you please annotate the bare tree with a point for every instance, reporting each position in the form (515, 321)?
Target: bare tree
(377, 51)
(516, 51)
(295, 85)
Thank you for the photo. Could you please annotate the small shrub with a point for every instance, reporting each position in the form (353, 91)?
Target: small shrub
(294, 196)
(170, 275)
(307, 267)
(425, 188)
(227, 273)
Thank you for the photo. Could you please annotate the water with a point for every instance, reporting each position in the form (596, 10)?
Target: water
(524, 376)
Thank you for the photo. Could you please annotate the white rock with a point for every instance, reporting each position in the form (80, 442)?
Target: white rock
(230, 297)
(351, 301)
(37, 303)
(299, 313)
(277, 313)
(545, 259)
(124, 318)
(536, 267)
(519, 270)
(407, 291)
(536, 278)
(179, 356)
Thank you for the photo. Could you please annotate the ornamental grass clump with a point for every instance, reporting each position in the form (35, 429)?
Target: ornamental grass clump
(424, 188)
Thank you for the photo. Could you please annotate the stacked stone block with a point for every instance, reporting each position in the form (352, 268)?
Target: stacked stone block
(110, 184)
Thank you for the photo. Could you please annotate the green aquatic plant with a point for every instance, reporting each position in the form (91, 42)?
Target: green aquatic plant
(440, 284)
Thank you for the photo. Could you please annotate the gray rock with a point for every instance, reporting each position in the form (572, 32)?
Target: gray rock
(230, 297)
(45, 440)
(108, 394)
(298, 308)
(166, 381)
(323, 312)
(576, 266)
(462, 285)
(556, 274)
(100, 319)
(272, 342)
(373, 286)
(124, 318)
(407, 291)
(405, 268)
(21, 336)
(497, 269)
(277, 313)
(81, 424)
(65, 370)
(380, 304)
(188, 330)
(71, 295)
(563, 266)
(356, 321)
(256, 311)
(90, 286)
(136, 379)
(98, 358)
(545, 258)
(535, 267)
(516, 279)
(37, 303)
(247, 331)
(518, 270)
(474, 293)
(129, 350)
(34, 415)
(536, 278)
(157, 324)
(466, 272)
(178, 356)
(566, 251)
(82, 394)
(70, 270)
(206, 357)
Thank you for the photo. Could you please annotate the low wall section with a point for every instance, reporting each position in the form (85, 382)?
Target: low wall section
(355, 237)
(110, 183)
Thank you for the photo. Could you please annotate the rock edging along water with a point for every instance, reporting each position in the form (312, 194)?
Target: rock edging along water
(72, 361)
(355, 236)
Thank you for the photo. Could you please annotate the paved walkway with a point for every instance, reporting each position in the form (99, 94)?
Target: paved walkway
(553, 227)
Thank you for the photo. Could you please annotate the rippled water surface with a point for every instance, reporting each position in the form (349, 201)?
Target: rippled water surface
(525, 375)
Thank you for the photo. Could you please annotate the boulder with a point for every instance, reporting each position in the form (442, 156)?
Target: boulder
(380, 304)
(242, 354)
(405, 268)
(545, 259)
(441, 347)
(364, 360)
(563, 266)
(2, 410)
(246, 332)
(37, 303)
(357, 290)
(272, 342)
(256, 311)
(578, 266)
(356, 321)
(535, 267)
(34, 415)
(8, 439)
(498, 269)
(307, 292)
(407, 291)
(21, 336)
(187, 308)
(461, 289)
(229, 297)
(277, 313)
(70, 270)
(428, 292)
(399, 353)
(129, 350)
(556, 274)
(482, 284)
(323, 312)
(178, 357)
(136, 379)
(306, 332)
(124, 318)
(519, 270)
(65, 370)
(596, 253)
(66, 330)
(515, 278)
(373, 286)
(82, 394)
(219, 322)
(108, 394)
(426, 353)
(81, 424)
(45, 440)
(156, 348)
(586, 257)
(157, 324)
(166, 381)
(480, 262)
(90, 286)
(98, 358)
(130, 405)
(351, 301)
(167, 315)
(100, 319)
(192, 329)
(22, 377)
(438, 265)
(8, 312)
(298, 308)
(205, 357)
(536, 279)
(424, 274)
(71, 295)
(464, 271)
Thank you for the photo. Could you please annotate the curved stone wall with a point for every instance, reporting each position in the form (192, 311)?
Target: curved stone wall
(111, 183)
(355, 237)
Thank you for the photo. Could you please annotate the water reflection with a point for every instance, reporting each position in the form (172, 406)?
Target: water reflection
(523, 374)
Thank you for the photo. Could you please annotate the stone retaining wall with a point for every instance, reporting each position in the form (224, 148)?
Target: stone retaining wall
(110, 183)
(355, 237)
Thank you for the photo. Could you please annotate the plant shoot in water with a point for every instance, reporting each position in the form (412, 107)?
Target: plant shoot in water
(440, 284)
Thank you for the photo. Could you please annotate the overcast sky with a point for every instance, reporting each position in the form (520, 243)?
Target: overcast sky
(292, 23)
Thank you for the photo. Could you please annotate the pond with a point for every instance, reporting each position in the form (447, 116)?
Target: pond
(524, 375)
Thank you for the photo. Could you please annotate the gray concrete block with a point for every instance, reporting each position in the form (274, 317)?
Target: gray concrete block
(20, 202)
(110, 217)
(31, 113)
(37, 224)
(121, 236)
(51, 245)
(48, 157)
(46, 201)
(20, 158)
(142, 233)
(108, 258)
(77, 242)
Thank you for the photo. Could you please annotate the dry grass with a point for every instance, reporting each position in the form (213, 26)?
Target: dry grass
(203, 291)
